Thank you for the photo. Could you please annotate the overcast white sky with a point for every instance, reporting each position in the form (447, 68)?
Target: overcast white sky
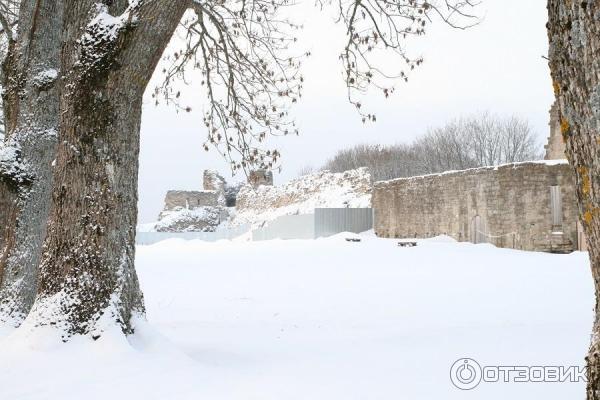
(496, 66)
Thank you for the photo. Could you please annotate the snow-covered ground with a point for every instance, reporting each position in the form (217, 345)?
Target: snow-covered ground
(324, 319)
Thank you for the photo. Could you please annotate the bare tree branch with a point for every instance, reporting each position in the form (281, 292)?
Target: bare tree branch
(9, 17)
(377, 33)
(251, 78)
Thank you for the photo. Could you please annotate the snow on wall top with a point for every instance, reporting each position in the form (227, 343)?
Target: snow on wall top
(302, 195)
(472, 170)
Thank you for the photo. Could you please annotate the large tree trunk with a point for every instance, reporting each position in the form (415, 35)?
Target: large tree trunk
(574, 34)
(87, 272)
(31, 111)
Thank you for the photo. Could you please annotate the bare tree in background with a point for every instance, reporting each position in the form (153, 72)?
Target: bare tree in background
(306, 170)
(75, 75)
(471, 142)
(518, 142)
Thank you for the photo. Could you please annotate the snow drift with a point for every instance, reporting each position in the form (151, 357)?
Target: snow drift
(321, 319)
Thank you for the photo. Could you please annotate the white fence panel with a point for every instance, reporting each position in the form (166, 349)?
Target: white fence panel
(287, 227)
(147, 238)
(324, 222)
(331, 221)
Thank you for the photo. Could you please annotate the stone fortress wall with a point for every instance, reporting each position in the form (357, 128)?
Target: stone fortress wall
(203, 210)
(527, 206)
(555, 148)
(260, 177)
(175, 199)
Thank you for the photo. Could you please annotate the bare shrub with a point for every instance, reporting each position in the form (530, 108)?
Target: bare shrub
(477, 141)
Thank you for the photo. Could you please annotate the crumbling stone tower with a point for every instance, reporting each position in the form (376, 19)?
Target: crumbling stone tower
(260, 177)
(555, 149)
(213, 181)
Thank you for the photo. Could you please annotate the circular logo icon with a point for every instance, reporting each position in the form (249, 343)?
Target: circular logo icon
(465, 374)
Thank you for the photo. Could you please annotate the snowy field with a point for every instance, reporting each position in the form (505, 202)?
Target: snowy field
(325, 319)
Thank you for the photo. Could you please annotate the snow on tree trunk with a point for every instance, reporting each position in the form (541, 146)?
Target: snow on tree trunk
(30, 99)
(574, 34)
(87, 274)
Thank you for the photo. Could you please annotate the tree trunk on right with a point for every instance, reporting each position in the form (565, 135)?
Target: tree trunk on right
(574, 35)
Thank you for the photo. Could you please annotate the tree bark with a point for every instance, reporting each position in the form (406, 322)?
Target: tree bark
(574, 35)
(31, 119)
(87, 274)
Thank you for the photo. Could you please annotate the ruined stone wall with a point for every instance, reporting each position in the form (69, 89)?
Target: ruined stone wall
(260, 177)
(508, 206)
(190, 199)
(213, 181)
(323, 189)
(555, 148)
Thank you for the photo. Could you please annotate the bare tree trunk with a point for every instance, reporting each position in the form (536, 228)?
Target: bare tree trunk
(31, 111)
(574, 34)
(87, 269)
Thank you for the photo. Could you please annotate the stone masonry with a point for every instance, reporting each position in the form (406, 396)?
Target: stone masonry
(260, 177)
(555, 149)
(213, 182)
(190, 199)
(199, 210)
(527, 206)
